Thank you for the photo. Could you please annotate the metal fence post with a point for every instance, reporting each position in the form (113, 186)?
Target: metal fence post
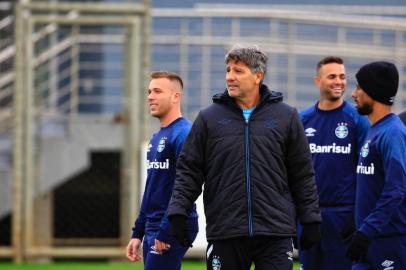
(17, 206)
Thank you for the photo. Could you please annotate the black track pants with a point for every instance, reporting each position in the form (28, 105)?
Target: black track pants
(265, 252)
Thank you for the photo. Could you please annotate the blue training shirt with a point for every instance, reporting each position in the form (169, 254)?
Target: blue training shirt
(335, 137)
(247, 113)
(380, 208)
(163, 151)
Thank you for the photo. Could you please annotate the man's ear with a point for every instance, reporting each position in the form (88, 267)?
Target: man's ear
(177, 96)
(259, 76)
(317, 80)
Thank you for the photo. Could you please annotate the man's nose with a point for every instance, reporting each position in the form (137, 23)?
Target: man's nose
(150, 96)
(353, 93)
(229, 76)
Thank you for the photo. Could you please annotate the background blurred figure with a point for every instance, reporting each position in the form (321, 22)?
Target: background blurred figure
(160, 249)
(335, 133)
(250, 152)
(380, 239)
(402, 117)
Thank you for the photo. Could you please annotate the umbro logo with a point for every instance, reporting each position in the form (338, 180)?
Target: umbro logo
(388, 265)
(290, 255)
(310, 132)
(268, 124)
(224, 121)
(154, 251)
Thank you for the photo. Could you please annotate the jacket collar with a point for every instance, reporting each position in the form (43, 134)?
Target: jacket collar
(266, 96)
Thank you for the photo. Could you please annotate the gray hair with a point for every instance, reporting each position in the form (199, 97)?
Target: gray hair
(252, 56)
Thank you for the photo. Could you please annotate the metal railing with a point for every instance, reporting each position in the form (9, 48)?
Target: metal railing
(49, 80)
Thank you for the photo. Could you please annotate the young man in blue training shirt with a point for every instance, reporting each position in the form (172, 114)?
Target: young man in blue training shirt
(335, 132)
(160, 249)
(380, 208)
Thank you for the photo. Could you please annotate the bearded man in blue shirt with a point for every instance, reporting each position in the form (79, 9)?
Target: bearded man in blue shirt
(380, 207)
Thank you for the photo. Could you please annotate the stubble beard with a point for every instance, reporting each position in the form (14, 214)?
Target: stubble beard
(335, 98)
(366, 109)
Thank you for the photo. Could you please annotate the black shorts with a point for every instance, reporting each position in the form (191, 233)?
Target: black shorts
(265, 252)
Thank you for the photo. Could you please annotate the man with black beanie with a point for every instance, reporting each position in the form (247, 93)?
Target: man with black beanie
(380, 239)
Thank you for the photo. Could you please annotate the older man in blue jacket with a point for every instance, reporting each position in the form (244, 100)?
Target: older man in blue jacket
(250, 152)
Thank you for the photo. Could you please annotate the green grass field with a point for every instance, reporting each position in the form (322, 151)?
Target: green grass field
(187, 265)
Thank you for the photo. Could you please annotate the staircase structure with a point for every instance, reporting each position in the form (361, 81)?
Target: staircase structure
(6, 117)
(63, 80)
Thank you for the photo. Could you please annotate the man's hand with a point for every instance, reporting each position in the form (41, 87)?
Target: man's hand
(133, 250)
(179, 229)
(358, 247)
(311, 235)
(161, 246)
(348, 230)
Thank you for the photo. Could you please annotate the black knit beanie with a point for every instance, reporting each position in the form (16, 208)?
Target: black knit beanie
(380, 80)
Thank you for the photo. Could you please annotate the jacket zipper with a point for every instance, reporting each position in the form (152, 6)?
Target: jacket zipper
(247, 178)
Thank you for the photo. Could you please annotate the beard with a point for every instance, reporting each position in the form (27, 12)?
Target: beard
(334, 98)
(366, 109)
(330, 95)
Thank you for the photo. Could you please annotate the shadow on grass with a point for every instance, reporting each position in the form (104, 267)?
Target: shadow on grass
(186, 265)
